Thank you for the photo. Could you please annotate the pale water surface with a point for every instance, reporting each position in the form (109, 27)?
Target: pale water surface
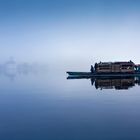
(40, 104)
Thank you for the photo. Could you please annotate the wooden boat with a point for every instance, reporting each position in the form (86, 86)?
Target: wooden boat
(110, 69)
(80, 73)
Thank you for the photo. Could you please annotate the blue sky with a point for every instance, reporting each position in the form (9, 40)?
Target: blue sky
(74, 32)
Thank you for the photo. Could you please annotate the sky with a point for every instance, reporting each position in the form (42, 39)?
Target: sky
(70, 33)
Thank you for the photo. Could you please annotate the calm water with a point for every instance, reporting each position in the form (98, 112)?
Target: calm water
(38, 104)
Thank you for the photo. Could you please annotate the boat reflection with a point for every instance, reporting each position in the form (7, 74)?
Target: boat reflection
(117, 83)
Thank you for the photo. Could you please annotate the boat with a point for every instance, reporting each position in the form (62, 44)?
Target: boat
(110, 69)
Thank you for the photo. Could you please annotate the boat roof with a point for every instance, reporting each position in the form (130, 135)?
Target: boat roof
(124, 62)
(117, 62)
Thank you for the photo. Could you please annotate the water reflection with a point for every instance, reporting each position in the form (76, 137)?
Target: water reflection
(11, 68)
(118, 83)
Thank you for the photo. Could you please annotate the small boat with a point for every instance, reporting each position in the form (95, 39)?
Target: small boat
(80, 73)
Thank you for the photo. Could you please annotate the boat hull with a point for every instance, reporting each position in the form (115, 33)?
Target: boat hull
(89, 74)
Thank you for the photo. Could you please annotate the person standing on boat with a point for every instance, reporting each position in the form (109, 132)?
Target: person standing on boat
(95, 66)
(92, 69)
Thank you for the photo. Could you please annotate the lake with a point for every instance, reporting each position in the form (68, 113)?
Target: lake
(37, 103)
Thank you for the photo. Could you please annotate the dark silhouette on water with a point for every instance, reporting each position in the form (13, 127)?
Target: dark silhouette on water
(123, 68)
(118, 83)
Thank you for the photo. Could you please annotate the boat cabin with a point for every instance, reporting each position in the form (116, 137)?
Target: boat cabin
(115, 67)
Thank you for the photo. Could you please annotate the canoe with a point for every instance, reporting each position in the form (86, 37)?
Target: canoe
(80, 73)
